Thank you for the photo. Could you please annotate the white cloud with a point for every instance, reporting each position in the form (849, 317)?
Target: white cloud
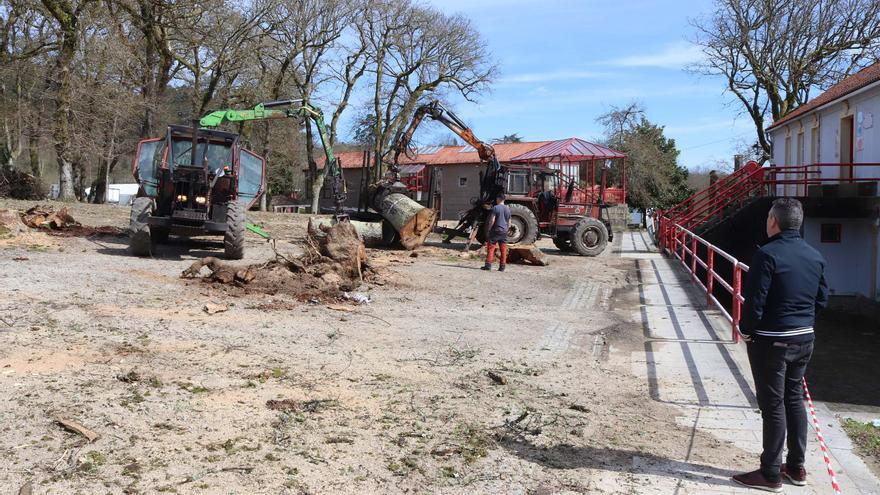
(561, 75)
(674, 56)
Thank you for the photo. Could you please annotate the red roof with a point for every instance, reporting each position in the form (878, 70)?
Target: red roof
(444, 155)
(463, 155)
(348, 159)
(571, 148)
(859, 80)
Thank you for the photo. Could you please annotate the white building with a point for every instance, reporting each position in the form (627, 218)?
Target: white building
(828, 154)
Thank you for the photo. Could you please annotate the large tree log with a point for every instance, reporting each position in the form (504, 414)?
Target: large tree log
(370, 232)
(411, 220)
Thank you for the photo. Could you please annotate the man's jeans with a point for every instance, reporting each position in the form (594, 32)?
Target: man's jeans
(778, 370)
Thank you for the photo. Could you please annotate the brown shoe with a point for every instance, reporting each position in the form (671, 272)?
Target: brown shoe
(756, 479)
(797, 477)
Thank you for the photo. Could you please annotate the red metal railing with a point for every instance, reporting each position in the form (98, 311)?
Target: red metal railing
(613, 195)
(674, 227)
(753, 180)
(684, 246)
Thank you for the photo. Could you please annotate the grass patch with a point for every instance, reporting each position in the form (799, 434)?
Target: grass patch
(476, 442)
(93, 461)
(191, 388)
(866, 436)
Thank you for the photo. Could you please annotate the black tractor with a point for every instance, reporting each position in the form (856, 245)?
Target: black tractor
(193, 182)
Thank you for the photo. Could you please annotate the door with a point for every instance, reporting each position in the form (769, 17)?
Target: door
(146, 164)
(251, 169)
(846, 148)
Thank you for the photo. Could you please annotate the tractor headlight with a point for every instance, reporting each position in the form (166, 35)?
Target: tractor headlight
(200, 200)
(181, 198)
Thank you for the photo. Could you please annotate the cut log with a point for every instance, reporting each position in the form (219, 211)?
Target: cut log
(527, 254)
(411, 220)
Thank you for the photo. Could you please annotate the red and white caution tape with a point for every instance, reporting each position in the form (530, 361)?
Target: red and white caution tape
(822, 445)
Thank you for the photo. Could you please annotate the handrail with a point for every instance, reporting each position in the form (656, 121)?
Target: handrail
(684, 248)
(675, 227)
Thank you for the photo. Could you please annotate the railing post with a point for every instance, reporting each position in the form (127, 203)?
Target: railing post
(710, 275)
(694, 256)
(684, 247)
(736, 305)
(661, 226)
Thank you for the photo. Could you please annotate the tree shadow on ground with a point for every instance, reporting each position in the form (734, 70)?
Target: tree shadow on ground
(565, 456)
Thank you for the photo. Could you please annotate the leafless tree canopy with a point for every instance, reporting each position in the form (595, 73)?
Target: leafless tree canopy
(81, 81)
(774, 53)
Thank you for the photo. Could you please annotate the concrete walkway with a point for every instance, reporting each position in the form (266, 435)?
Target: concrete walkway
(690, 362)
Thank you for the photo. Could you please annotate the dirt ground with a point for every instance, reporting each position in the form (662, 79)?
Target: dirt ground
(276, 395)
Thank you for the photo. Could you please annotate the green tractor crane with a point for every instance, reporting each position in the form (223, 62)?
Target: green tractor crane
(270, 110)
(197, 180)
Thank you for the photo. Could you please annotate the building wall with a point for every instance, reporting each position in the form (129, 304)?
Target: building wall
(851, 265)
(455, 197)
(865, 110)
(354, 184)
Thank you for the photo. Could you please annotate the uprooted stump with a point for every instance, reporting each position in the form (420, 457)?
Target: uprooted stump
(340, 247)
(333, 261)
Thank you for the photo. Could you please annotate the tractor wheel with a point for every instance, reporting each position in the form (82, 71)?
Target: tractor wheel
(589, 237)
(523, 225)
(563, 242)
(138, 228)
(159, 235)
(233, 239)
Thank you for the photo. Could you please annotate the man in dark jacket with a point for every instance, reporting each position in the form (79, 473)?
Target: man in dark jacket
(784, 290)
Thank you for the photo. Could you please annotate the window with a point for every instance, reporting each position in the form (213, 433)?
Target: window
(219, 154)
(250, 176)
(462, 181)
(518, 183)
(149, 156)
(830, 232)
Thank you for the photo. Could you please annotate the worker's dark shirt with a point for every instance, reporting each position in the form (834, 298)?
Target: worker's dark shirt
(784, 289)
(502, 222)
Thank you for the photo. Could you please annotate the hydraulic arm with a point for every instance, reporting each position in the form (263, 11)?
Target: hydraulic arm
(270, 110)
(493, 179)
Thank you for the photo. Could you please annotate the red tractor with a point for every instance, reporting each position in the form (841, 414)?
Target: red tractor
(194, 181)
(531, 191)
(537, 210)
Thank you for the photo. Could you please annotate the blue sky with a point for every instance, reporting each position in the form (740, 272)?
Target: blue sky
(564, 62)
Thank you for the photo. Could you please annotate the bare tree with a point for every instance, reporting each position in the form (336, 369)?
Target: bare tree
(212, 40)
(144, 27)
(66, 16)
(773, 53)
(22, 39)
(508, 138)
(312, 29)
(617, 121)
(429, 54)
